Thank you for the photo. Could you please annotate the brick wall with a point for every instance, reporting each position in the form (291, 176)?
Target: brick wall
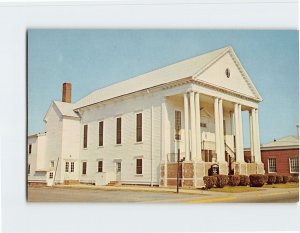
(282, 159)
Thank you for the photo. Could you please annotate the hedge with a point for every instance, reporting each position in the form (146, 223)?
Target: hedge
(244, 180)
(285, 179)
(234, 180)
(271, 179)
(279, 179)
(257, 180)
(210, 181)
(222, 180)
(294, 179)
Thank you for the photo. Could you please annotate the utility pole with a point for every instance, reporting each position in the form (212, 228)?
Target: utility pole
(178, 164)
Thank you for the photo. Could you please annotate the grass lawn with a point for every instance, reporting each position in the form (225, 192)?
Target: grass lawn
(235, 189)
(287, 185)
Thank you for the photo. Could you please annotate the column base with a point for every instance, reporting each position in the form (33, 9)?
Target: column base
(223, 168)
(260, 168)
(243, 168)
(240, 168)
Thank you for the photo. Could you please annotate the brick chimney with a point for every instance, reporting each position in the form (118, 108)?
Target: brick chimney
(66, 92)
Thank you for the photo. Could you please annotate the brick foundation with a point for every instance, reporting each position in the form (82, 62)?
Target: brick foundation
(36, 184)
(70, 182)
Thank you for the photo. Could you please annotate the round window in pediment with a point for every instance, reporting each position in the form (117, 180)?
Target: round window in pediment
(227, 72)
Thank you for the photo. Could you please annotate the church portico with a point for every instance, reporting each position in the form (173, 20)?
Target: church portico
(211, 133)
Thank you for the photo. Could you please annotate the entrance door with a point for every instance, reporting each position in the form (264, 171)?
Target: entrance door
(118, 171)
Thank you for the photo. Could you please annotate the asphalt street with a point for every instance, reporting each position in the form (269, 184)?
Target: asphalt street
(58, 194)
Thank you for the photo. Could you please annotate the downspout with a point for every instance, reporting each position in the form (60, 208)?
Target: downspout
(151, 146)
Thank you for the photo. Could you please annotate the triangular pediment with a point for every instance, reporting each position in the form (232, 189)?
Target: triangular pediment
(226, 72)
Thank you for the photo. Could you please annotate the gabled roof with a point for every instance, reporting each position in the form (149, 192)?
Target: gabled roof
(183, 69)
(289, 141)
(66, 109)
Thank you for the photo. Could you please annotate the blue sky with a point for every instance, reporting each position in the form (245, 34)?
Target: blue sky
(91, 59)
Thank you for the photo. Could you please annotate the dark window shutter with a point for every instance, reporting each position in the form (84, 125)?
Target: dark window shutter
(84, 168)
(177, 125)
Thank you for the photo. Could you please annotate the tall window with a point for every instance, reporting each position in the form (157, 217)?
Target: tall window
(294, 165)
(67, 167)
(177, 125)
(85, 133)
(139, 166)
(51, 175)
(139, 127)
(119, 130)
(101, 133)
(29, 148)
(272, 164)
(28, 169)
(100, 166)
(84, 168)
(52, 163)
(72, 166)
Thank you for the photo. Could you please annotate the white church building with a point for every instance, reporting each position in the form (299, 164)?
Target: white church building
(130, 132)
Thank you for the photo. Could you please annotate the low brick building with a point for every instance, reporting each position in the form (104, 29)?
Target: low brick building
(280, 156)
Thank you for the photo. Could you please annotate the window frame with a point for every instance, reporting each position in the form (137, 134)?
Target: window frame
(29, 148)
(139, 167)
(139, 127)
(52, 163)
(178, 127)
(296, 163)
(100, 162)
(72, 167)
(84, 168)
(269, 170)
(119, 131)
(85, 136)
(101, 133)
(51, 175)
(67, 166)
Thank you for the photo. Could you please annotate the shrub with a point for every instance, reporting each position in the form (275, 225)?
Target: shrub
(222, 180)
(257, 180)
(244, 180)
(294, 179)
(266, 178)
(285, 179)
(234, 180)
(210, 181)
(271, 179)
(279, 179)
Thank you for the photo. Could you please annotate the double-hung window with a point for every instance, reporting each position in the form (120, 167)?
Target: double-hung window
(139, 166)
(85, 135)
(139, 127)
(272, 165)
(119, 130)
(100, 166)
(294, 165)
(177, 125)
(84, 168)
(101, 133)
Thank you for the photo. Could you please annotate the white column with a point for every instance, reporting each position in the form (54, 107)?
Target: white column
(221, 158)
(237, 133)
(198, 127)
(258, 153)
(186, 127)
(193, 125)
(217, 129)
(163, 140)
(241, 134)
(251, 125)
